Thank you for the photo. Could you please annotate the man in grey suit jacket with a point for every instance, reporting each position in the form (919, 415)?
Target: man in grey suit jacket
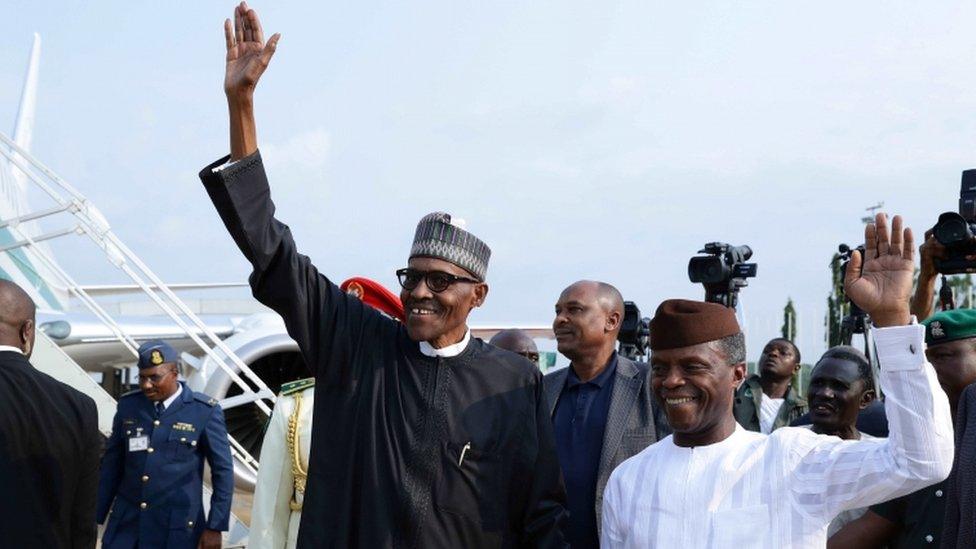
(602, 408)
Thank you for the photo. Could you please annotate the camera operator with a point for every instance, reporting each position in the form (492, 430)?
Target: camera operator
(601, 405)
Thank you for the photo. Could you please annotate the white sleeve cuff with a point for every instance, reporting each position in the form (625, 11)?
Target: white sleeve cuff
(224, 166)
(900, 348)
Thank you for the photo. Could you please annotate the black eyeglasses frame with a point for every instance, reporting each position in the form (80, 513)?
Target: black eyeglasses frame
(404, 273)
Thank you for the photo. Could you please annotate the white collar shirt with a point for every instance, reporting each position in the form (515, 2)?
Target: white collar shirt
(172, 398)
(782, 490)
(11, 348)
(768, 411)
(448, 351)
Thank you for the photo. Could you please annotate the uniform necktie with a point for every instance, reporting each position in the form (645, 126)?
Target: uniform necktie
(159, 408)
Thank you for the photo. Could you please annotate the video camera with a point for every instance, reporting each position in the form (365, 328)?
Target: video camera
(957, 231)
(635, 332)
(723, 272)
(856, 320)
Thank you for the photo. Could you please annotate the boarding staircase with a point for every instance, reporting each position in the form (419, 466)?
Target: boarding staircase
(74, 217)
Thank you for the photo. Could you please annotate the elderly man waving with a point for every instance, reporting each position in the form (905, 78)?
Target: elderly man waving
(422, 435)
(714, 484)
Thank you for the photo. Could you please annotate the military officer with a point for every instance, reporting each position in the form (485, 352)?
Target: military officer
(153, 464)
(280, 490)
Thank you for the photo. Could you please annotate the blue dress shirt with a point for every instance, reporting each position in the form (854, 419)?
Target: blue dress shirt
(579, 422)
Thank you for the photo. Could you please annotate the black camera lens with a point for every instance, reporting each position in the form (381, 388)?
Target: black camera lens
(952, 229)
(706, 270)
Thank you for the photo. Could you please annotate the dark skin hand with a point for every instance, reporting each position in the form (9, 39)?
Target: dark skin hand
(880, 282)
(836, 394)
(248, 57)
(210, 539)
(929, 252)
(696, 387)
(778, 362)
(586, 325)
(869, 531)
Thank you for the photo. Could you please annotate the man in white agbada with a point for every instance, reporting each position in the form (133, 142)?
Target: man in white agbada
(713, 484)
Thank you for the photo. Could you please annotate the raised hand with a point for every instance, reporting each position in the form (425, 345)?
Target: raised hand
(247, 54)
(881, 281)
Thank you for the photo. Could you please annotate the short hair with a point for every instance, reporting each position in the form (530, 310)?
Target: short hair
(855, 355)
(734, 347)
(796, 350)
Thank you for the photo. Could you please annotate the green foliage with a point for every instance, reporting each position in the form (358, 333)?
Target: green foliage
(837, 306)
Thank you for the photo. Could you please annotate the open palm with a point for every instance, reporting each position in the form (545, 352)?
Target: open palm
(247, 53)
(880, 282)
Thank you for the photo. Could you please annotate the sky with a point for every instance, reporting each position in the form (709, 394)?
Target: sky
(604, 140)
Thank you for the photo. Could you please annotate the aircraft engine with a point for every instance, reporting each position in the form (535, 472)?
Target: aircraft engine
(262, 343)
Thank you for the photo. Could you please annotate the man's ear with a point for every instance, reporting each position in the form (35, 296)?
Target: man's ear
(480, 293)
(867, 397)
(739, 372)
(27, 336)
(613, 321)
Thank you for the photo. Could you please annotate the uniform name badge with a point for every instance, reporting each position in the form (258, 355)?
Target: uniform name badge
(139, 443)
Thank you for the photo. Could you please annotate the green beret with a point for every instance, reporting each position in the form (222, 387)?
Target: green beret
(949, 326)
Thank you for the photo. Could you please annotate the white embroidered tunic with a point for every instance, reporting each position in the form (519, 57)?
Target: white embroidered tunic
(782, 490)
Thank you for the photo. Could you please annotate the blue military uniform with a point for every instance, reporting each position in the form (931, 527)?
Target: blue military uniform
(153, 470)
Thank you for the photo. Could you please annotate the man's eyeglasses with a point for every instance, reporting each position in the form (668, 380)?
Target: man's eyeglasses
(534, 357)
(437, 281)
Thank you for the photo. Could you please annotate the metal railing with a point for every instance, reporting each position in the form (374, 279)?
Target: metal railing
(89, 222)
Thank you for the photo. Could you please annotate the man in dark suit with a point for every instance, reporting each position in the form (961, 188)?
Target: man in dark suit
(49, 442)
(601, 405)
(153, 466)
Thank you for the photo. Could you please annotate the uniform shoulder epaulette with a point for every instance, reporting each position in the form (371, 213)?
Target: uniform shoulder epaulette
(131, 393)
(206, 399)
(293, 387)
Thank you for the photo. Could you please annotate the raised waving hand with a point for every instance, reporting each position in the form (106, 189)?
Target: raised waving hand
(247, 53)
(880, 282)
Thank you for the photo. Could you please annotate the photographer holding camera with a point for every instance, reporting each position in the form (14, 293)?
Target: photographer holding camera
(949, 248)
(929, 253)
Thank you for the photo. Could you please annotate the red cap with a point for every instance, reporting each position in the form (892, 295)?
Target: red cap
(375, 295)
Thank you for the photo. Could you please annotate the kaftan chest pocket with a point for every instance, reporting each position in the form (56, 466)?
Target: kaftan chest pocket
(742, 528)
(472, 485)
(182, 445)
